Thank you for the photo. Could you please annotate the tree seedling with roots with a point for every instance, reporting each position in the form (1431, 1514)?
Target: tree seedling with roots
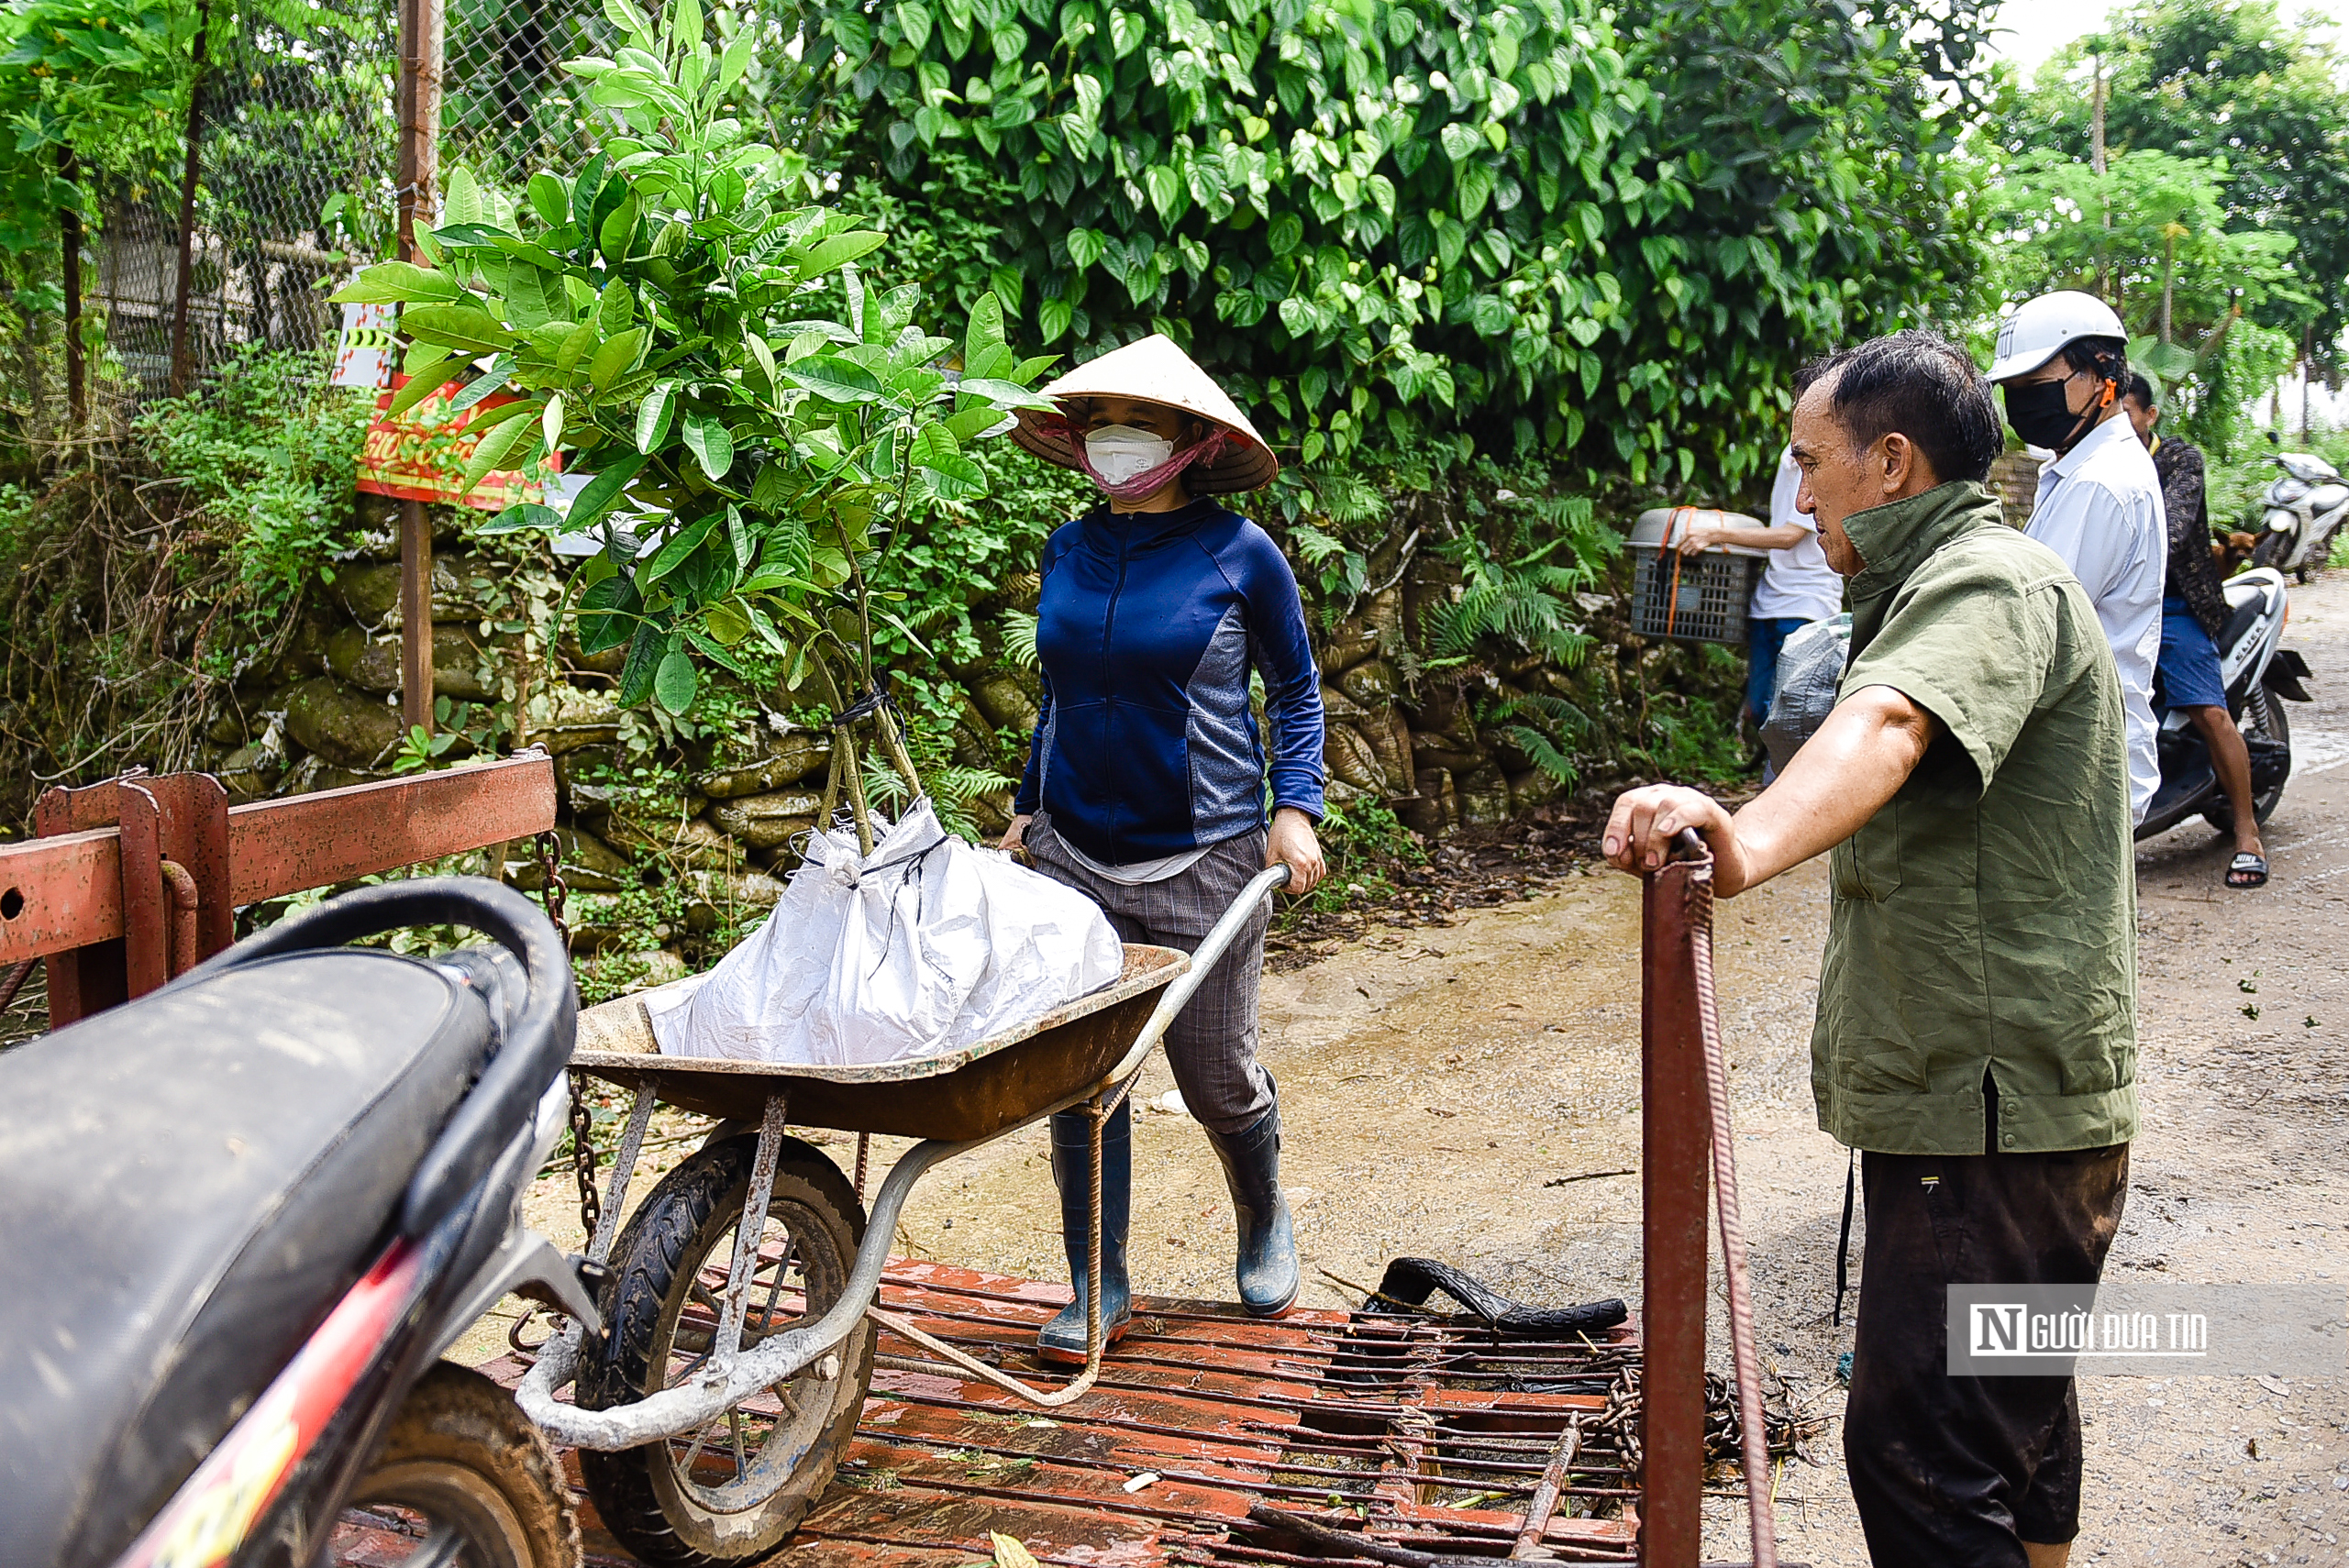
(682, 321)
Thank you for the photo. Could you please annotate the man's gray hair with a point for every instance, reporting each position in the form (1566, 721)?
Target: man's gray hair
(1924, 387)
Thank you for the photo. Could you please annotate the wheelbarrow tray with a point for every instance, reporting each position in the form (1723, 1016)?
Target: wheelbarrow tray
(975, 1092)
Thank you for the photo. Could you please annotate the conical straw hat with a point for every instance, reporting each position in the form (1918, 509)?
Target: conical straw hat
(1154, 371)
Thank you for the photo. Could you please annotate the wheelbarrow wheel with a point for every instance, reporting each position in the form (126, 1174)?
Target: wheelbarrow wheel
(732, 1491)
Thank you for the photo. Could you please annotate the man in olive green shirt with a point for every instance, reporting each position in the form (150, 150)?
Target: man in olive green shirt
(1975, 1036)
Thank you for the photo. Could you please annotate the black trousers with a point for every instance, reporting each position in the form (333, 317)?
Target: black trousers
(1959, 1472)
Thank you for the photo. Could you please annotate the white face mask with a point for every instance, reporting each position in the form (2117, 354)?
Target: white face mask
(1119, 452)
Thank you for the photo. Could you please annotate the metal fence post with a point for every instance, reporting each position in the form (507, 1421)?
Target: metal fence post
(69, 223)
(1676, 1136)
(183, 284)
(421, 41)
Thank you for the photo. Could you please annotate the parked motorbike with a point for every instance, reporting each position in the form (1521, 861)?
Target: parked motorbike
(2305, 506)
(244, 1217)
(2260, 677)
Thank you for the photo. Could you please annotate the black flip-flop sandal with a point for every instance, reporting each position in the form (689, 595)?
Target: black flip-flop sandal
(2247, 871)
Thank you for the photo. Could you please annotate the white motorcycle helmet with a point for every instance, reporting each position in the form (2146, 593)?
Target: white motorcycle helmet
(2039, 328)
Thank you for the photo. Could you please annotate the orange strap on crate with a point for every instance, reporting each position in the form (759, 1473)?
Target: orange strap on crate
(1672, 604)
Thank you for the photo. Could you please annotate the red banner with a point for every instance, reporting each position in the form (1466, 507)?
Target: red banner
(422, 457)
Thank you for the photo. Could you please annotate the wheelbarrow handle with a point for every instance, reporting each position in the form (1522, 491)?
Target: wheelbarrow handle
(1203, 959)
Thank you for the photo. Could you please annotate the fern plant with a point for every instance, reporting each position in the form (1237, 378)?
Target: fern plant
(1529, 602)
(1019, 640)
(1554, 722)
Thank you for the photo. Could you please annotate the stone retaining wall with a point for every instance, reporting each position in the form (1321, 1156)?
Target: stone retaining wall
(325, 713)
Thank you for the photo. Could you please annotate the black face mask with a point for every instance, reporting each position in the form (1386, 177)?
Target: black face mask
(2039, 414)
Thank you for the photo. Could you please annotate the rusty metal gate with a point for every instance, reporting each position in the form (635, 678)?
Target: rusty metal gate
(1426, 1436)
(136, 879)
(1428, 1431)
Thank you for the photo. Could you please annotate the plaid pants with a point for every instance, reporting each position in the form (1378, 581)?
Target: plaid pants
(1211, 1045)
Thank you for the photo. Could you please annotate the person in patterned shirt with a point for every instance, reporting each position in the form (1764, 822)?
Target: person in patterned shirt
(2192, 615)
(2194, 612)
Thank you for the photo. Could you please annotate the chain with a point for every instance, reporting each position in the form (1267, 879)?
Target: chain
(556, 892)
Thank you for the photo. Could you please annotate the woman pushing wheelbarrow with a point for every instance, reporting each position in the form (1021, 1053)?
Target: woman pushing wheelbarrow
(1146, 780)
(740, 1297)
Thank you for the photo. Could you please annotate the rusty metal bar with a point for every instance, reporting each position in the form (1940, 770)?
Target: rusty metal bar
(415, 615)
(191, 828)
(416, 103)
(1676, 1136)
(60, 893)
(311, 841)
(146, 924)
(85, 973)
(183, 901)
(63, 895)
(1557, 1475)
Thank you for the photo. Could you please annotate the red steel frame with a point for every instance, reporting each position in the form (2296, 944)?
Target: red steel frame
(1675, 1156)
(136, 879)
(139, 878)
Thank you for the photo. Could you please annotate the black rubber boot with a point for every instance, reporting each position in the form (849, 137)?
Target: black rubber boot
(1267, 1269)
(1063, 1338)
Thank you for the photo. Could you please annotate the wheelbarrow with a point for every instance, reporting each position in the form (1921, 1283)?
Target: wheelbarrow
(739, 1299)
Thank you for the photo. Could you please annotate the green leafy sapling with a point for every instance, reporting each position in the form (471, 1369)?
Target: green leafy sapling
(683, 322)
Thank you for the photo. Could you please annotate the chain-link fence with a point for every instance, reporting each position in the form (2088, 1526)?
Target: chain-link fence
(295, 137)
(295, 134)
(507, 108)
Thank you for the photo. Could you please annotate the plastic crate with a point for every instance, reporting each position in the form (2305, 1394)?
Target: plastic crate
(1702, 598)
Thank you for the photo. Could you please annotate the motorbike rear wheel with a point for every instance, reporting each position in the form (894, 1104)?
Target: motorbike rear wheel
(732, 1491)
(462, 1478)
(2322, 556)
(2262, 719)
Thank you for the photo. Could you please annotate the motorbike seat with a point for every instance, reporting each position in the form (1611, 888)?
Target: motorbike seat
(2240, 618)
(193, 1179)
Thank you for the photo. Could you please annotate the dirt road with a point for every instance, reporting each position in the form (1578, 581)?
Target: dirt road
(1441, 1090)
(1434, 1084)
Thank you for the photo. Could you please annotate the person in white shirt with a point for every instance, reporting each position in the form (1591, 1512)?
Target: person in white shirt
(1797, 587)
(2061, 361)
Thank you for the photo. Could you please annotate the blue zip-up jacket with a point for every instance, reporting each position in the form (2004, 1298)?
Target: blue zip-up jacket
(1148, 625)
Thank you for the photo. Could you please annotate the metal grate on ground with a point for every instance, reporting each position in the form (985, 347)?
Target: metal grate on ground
(1424, 1430)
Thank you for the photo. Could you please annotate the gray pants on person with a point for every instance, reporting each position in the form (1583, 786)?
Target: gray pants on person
(1211, 1043)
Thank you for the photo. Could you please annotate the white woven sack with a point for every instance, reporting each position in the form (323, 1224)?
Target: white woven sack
(927, 946)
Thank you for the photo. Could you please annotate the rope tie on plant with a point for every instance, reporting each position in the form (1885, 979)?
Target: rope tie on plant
(875, 698)
(879, 703)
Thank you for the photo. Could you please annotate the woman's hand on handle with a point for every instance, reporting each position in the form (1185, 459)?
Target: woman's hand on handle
(1015, 836)
(1292, 844)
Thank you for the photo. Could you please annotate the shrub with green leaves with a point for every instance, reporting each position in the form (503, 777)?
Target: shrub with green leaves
(765, 426)
(1600, 234)
(269, 451)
